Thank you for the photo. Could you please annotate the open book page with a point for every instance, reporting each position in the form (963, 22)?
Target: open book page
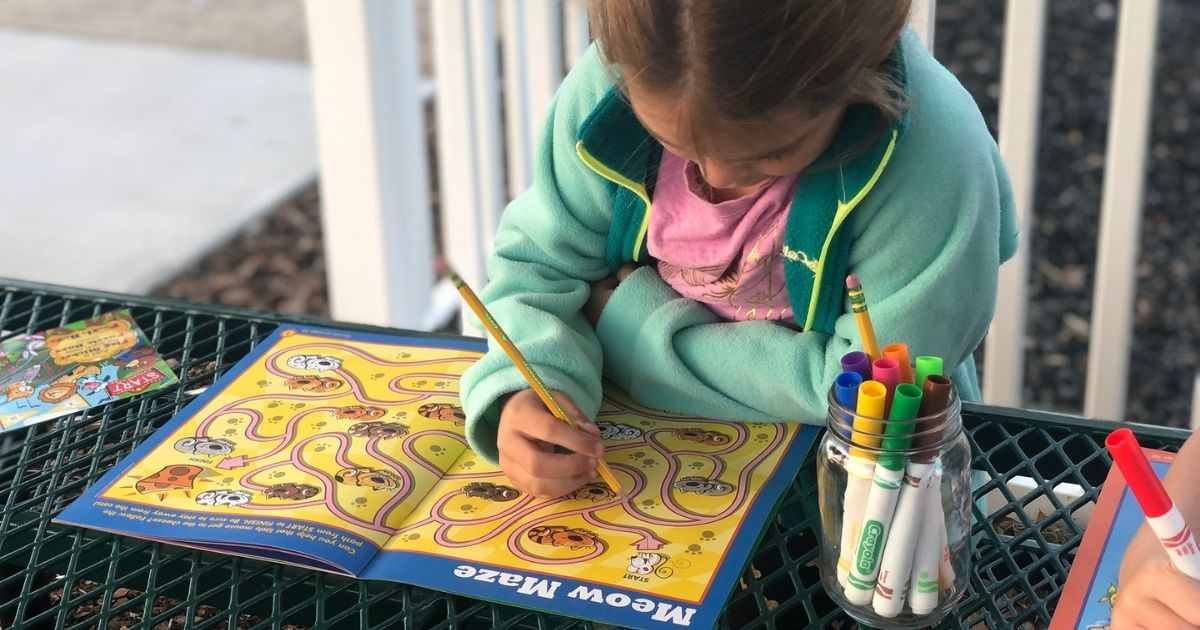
(698, 493)
(318, 444)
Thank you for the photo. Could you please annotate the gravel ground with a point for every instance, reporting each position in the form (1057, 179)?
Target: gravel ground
(276, 264)
(1076, 80)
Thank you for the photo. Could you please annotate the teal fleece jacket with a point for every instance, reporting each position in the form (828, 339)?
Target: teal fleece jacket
(924, 217)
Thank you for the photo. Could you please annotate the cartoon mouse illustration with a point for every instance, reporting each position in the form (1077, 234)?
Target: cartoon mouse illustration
(646, 562)
(207, 447)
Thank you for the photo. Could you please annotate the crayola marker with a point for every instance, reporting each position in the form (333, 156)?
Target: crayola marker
(923, 588)
(860, 466)
(877, 518)
(1162, 515)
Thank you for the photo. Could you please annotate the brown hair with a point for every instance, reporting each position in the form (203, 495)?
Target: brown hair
(738, 60)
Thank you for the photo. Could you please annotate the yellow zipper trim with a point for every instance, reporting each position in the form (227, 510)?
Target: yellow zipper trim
(843, 211)
(624, 182)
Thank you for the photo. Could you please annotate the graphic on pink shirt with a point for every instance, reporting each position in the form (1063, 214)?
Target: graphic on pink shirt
(728, 255)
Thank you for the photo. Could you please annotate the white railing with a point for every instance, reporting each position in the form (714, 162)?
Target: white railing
(497, 64)
(1020, 98)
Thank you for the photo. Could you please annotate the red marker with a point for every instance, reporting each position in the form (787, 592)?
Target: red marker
(1164, 518)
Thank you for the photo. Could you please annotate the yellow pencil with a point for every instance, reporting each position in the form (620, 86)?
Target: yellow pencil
(518, 360)
(858, 303)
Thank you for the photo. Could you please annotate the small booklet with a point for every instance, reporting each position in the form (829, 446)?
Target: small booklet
(1091, 589)
(345, 452)
(83, 364)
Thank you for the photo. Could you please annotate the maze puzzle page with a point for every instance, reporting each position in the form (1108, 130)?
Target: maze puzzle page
(688, 486)
(345, 452)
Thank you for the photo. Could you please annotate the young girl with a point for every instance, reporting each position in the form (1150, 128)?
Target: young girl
(710, 172)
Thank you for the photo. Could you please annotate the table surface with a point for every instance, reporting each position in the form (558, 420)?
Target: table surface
(1018, 572)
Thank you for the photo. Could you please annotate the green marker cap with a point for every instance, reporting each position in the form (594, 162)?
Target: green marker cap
(897, 432)
(927, 366)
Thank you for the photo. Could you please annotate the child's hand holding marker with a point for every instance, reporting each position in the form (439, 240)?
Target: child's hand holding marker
(1159, 585)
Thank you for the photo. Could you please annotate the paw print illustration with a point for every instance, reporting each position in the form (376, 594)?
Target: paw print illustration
(694, 549)
(413, 536)
(441, 384)
(360, 501)
(404, 355)
(420, 383)
(649, 504)
(230, 431)
(696, 465)
(467, 508)
(298, 406)
(273, 404)
(262, 383)
(649, 463)
(376, 376)
(235, 421)
(638, 455)
(645, 423)
(437, 450)
(275, 418)
(470, 463)
(707, 536)
(760, 437)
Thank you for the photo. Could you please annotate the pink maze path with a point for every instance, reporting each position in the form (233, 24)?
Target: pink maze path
(516, 514)
(252, 432)
(355, 384)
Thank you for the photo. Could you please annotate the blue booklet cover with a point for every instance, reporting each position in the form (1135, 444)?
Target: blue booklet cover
(345, 452)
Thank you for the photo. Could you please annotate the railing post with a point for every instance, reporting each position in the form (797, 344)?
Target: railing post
(1020, 98)
(1195, 423)
(923, 17)
(577, 38)
(1121, 210)
(470, 157)
(375, 207)
(533, 68)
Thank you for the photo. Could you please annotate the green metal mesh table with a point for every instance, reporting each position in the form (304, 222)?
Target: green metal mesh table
(1019, 571)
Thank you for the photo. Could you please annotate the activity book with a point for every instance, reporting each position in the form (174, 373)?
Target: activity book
(60, 371)
(1091, 589)
(345, 452)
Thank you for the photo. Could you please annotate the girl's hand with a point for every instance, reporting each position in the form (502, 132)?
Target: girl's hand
(527, 439)
(1156, 596)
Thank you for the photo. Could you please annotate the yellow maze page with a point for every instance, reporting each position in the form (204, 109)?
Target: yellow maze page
(345, 434)
(689, 484)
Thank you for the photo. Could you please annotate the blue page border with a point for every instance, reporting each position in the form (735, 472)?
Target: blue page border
(84, 511)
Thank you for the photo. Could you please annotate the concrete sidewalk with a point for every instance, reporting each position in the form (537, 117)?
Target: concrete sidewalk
(123, 161)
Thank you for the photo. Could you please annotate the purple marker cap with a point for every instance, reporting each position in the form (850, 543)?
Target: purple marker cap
(857, 362)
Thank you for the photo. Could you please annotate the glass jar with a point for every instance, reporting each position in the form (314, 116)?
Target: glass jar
(895, 522)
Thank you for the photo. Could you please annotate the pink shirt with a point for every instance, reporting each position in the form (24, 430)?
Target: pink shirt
(727, 256)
